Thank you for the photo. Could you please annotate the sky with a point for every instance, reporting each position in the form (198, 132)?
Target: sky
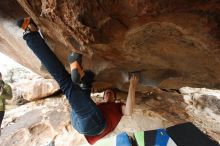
(6, 60)
(6, 63)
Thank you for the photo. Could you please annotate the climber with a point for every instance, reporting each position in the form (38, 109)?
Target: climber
(88, 118)
(5, 93)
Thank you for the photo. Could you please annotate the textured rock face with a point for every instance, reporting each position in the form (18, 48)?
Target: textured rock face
(172, 43)
(11, 42)
(50, 124)
(26, 85)
(35, 89)
(204, 108)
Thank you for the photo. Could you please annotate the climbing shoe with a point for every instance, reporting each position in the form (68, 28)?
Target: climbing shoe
(75, 61)
(25, 22)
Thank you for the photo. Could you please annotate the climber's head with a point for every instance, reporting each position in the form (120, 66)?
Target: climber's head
(109, 95)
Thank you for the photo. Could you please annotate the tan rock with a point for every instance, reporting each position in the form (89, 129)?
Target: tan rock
(35, 89)
(204, 108)
(47, 121)
(171, 44)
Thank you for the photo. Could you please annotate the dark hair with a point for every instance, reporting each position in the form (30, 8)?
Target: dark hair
(0, 74)
(114, 92)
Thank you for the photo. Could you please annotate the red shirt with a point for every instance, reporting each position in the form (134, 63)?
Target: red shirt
(112, 114)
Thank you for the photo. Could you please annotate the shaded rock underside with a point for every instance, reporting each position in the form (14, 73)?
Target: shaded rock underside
(168, 43)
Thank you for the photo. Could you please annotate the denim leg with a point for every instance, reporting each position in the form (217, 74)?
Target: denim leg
(36, 43)
(82, 105)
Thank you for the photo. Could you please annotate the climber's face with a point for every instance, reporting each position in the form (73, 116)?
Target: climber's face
(109, 95)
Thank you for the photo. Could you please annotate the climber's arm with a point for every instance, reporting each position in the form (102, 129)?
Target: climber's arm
(127, 109)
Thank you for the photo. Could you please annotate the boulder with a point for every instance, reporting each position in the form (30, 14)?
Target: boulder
(203, 107)
(170, 43)
(34, 89)
(47, 121)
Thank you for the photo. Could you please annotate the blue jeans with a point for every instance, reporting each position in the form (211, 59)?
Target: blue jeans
(86, 118)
